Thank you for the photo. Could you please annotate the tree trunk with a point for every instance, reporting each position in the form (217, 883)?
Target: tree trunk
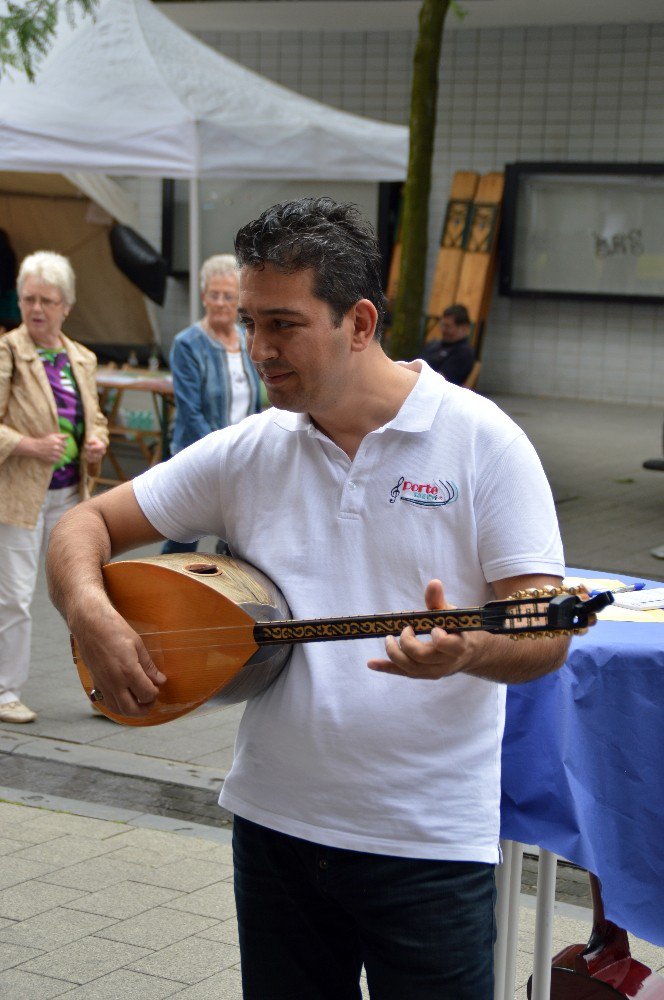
(405, 334)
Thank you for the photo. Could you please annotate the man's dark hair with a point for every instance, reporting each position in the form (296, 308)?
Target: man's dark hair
(332, 239)
(459, 314)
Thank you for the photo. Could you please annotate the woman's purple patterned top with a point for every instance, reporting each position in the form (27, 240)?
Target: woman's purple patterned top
(70, 415)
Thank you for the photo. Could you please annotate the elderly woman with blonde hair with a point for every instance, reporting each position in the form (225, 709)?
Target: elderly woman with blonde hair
(214, 381)
(51, 428)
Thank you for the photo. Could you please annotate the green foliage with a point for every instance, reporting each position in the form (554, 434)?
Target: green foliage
(28, 28)
(457, 9)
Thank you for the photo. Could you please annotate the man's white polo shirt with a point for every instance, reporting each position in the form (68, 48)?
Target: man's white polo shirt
(450, 488)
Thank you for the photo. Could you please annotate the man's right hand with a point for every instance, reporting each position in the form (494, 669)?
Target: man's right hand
(83, 540)
(118, 662)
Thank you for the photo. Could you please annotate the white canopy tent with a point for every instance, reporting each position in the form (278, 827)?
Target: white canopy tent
(131, 93)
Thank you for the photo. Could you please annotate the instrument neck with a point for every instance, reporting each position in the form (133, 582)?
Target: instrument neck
(323, 629)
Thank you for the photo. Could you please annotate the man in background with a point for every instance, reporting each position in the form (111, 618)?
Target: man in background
(452, 355)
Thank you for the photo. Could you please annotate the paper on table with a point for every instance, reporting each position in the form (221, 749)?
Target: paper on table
(593, 583)
(612, 613)
(615, 614)
(650, 599)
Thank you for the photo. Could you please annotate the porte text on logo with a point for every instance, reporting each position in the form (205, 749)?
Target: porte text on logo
(437, 494)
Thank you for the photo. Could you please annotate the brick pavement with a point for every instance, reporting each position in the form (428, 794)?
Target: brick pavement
(108, 908)
(99, 908)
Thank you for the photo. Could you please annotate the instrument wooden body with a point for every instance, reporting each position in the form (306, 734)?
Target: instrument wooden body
(219, 628)
(176, 603)
(603, 968)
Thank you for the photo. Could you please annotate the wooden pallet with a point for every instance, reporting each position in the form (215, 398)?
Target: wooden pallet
(467, 254)
(451, 250)
(478, 265)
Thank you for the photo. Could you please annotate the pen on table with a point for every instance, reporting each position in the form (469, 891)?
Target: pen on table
(620, 590)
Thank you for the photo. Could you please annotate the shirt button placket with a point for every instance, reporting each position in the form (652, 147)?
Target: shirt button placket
(352, 497)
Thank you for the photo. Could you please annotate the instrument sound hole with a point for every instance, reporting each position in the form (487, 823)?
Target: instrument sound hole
(204, 569)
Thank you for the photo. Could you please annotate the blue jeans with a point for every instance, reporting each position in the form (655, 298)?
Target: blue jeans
(169, 547)
(311, 916)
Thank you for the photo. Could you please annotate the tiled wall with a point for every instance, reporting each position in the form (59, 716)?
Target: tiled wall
(584, 93)
(577, 93)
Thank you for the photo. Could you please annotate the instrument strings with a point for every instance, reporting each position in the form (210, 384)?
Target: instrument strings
(515, 616)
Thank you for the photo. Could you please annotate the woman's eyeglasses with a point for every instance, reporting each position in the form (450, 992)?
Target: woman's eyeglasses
(33, 300)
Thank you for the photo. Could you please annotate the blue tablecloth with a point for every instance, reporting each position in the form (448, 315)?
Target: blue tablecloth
(583, 766)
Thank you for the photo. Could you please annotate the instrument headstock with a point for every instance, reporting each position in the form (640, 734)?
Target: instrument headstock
(547, 610)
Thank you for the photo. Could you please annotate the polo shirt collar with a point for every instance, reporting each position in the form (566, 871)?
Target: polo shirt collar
(416, 414)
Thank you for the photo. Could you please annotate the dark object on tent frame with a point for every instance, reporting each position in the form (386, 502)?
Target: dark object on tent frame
(140, 262)
(10, 314)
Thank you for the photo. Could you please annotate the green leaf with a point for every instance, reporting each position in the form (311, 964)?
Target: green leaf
(457, 9)
(28, 30)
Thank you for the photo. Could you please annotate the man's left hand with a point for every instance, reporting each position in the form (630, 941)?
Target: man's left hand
(431, 657)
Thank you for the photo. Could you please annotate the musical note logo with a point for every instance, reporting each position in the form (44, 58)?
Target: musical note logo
(394, 492)
(438, 494)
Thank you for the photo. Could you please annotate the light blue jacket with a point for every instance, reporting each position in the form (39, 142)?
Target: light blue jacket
(202, 385)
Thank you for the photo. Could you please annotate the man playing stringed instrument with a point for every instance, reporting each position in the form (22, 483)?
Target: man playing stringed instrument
(366, 801)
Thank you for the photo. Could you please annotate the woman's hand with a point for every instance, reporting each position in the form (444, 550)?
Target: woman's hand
(48, 449)
(94, 450)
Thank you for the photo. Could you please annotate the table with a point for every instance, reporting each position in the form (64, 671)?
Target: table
(154, 445)
(583, 766)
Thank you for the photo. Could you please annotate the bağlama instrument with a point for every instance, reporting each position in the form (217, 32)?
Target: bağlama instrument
(218, 627)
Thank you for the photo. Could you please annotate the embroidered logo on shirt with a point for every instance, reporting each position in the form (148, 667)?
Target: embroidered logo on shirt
(438, 494)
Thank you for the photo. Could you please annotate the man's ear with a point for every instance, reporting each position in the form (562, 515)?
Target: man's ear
(365, 317)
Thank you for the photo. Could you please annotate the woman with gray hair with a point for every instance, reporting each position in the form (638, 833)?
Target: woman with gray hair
(214, 380)
(51, 428)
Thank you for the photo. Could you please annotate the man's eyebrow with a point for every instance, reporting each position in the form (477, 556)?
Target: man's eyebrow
(277, 311)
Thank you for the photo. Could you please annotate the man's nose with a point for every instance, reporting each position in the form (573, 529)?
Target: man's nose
(261, 347)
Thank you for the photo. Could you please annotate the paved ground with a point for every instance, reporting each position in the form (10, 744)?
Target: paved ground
(116, 875)
(611, 510)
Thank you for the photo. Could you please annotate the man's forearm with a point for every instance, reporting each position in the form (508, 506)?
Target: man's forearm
(84, 540)
(509, 661)
(78, 548)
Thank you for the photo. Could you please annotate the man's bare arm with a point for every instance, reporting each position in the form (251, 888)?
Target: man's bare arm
(481, 654)
(82, 541)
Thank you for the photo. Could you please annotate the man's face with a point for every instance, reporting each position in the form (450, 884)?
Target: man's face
(301, 356)
(450, 332)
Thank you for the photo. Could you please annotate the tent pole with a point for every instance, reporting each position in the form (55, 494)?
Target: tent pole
(194, 249)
